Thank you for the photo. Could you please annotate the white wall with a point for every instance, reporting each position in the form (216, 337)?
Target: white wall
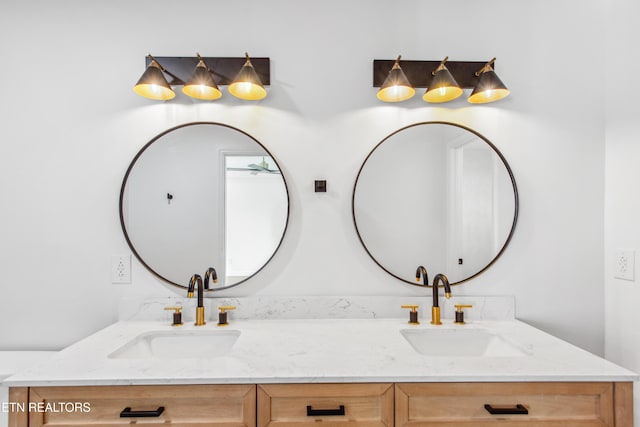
(63, 151)
(622, 201)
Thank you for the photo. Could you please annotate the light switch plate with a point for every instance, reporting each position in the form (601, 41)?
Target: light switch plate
(624, 264)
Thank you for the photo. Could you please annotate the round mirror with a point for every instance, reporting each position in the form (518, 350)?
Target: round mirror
(204, 195)
(435, 194)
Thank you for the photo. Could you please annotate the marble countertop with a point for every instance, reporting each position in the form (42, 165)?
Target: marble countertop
(15, 361)
(318, 351)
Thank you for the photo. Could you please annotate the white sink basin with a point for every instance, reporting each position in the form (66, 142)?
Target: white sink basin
(461, 343)
(178, 344)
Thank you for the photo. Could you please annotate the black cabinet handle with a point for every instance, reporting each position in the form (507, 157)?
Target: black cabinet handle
(324, 412)
(516, 410)
(128, 413)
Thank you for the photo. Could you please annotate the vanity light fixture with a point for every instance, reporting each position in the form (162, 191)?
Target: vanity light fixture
(443, 86)
(489, 88)
(201, 85)
(152, 84)
(203, 76)
(443, 82)
(247, 84)
(396, 86)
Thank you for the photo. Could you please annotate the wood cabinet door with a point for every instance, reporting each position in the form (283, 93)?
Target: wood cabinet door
(182, 405)
(506, 404)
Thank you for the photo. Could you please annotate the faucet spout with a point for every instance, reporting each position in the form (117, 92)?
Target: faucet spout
(212, 275)
(196, 282)
(422, 272)
(435, 310)
(445, 283)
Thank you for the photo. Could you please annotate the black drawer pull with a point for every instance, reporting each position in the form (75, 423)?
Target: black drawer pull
(128, 413)
(324, 412)
(517, 410)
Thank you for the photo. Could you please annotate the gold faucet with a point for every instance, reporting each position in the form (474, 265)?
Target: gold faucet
(421, 272)
(196, 281)
(435, 310)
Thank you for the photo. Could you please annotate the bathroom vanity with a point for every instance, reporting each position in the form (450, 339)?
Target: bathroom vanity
(370, 404)
(288, 372)
(308, 366)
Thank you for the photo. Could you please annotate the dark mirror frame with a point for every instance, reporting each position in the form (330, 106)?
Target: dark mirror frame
(124, 184)
(490, 144)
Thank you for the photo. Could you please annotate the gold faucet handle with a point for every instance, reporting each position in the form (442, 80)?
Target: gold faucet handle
(177, 314)
(222, 316)
(413, 314)
(460, 314)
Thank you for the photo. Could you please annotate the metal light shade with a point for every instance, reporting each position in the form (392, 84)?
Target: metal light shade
(396, 86)
(443, 87)
(247, 84)
(201, 85)
(153, 85)
(489, 88)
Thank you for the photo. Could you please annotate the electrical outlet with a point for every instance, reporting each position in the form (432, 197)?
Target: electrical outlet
(120, 268)
(624, 264)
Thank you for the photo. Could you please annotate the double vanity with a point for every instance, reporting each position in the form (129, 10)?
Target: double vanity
(353, 361)
(287, 371)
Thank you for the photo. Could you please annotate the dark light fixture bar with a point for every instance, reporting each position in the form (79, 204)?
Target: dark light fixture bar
(224, 69)
(420, 75)
(443, 82)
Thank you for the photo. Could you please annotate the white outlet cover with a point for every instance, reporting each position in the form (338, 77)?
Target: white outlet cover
(624, 264)
(121, 268)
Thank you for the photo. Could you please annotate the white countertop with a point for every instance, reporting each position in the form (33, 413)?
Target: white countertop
(318, 351)
(15, 361)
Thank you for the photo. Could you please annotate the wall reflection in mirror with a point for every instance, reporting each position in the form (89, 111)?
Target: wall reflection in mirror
(435, 194)
(204, 195)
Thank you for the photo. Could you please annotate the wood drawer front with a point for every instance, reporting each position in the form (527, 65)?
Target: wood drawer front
(463, 404)
(184, 405)
(364, 404)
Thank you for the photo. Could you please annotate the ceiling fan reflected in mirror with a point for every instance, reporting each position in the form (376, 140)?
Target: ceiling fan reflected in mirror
(256, 168)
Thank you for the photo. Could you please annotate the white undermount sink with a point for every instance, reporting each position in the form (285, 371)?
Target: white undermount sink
(178, 344)
(461, 342)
